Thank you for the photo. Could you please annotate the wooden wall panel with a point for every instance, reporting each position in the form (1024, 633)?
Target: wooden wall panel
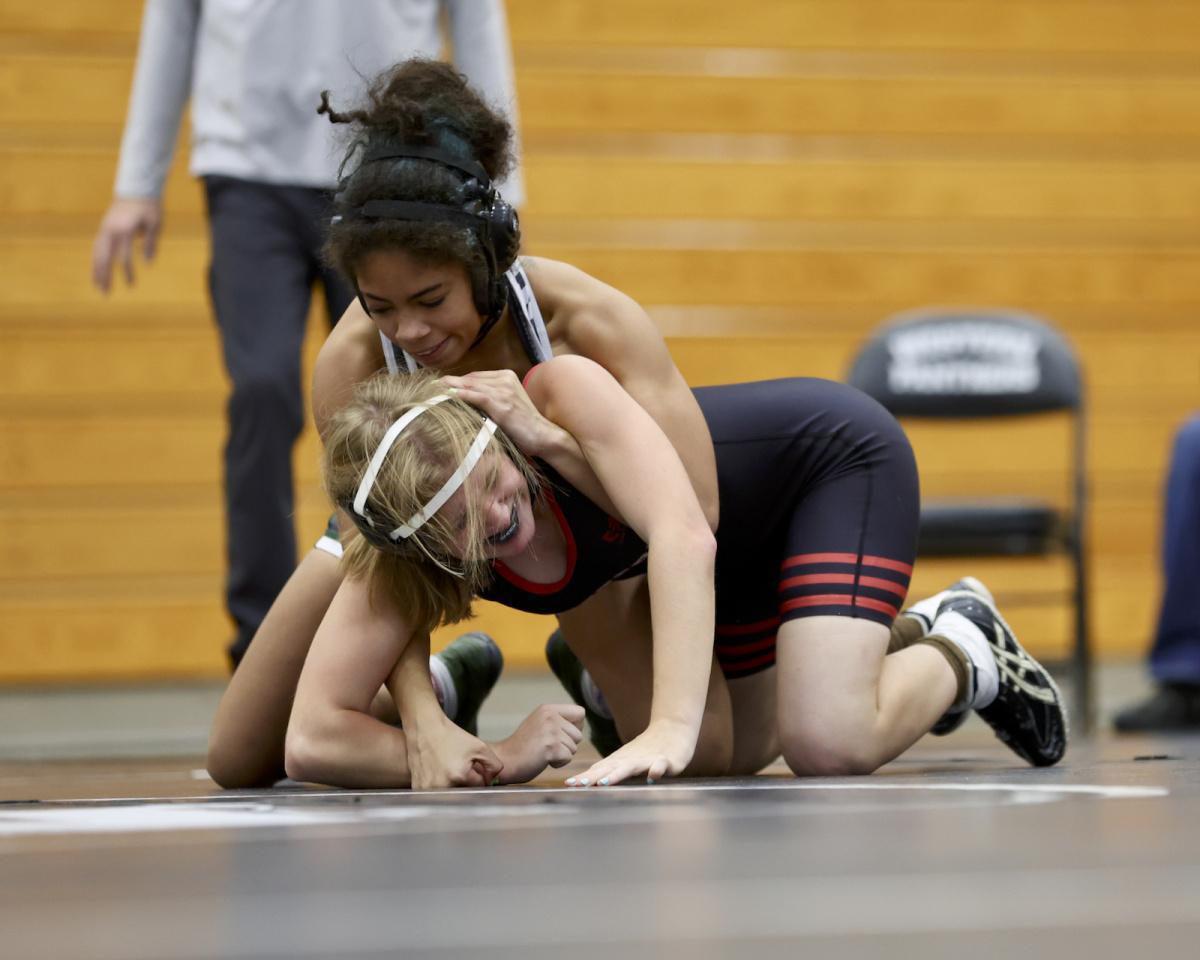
(90, 92)
(64, 90)
(71, 17)
(629, 187)
(161, 632)
(76, 180)
(48, 270)
(1102, 26)
(1039, 106)
(770, 182)
(1106, 27)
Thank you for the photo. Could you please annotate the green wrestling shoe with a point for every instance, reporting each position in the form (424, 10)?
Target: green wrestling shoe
(569, 670)
(474, 663)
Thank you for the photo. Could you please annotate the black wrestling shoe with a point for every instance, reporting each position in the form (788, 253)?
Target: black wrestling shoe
(1172, 708)
(951, 720)
(1028, 712)
(925, 611)
(474, 662)
(602, 731)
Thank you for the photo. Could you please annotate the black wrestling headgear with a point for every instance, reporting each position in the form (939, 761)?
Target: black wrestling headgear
(479, 206)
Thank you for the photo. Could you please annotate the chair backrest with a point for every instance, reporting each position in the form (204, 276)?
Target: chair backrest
(968, 362)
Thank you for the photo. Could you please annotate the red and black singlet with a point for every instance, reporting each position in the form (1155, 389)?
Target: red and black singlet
(599, 548)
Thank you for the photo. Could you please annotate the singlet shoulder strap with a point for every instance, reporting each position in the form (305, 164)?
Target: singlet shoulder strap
(527, 315)
(393, 356)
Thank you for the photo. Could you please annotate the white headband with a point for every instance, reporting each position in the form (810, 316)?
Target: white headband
(418, 519)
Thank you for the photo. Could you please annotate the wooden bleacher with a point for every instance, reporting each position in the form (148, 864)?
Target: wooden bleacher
(770, 179)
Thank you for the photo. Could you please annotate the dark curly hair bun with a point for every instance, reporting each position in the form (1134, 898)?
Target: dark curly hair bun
(427, 108)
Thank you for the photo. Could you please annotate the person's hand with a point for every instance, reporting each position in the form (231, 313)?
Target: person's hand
(547, 737)
(445, 755)
(499, 394)
(126, 220)
(661, 750)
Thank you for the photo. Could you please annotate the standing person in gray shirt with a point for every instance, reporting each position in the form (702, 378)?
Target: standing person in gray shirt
(253, 71)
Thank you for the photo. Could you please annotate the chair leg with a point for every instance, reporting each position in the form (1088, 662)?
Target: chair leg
(1081, 655)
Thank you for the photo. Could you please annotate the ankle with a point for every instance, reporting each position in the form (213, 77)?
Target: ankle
(971, 642)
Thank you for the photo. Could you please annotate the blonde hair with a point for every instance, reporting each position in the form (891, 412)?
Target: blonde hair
(423, 573)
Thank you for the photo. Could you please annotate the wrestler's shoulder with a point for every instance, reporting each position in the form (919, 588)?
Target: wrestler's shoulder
(350, 354)
(582, 309)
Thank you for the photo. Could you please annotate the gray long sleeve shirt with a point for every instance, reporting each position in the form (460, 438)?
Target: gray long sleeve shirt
(254, 71)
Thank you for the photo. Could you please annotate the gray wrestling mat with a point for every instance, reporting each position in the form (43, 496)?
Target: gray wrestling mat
(952, 851)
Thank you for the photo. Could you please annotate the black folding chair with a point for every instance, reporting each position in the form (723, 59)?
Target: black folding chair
(984, 363)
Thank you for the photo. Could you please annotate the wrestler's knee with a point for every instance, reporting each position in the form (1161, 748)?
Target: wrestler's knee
(818, 747)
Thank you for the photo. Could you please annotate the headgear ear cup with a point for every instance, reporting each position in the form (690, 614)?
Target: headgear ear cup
(504, 237)
(500, 236)
(504, 228)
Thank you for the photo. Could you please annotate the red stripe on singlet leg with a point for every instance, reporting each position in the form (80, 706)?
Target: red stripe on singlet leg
(880, 605)
(891, 586)
(810, 578)
(838, 600)
(732, 649)
(905, 568)
(818, 600)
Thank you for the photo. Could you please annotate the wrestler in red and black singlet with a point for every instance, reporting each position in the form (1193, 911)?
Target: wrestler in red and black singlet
(819, 504)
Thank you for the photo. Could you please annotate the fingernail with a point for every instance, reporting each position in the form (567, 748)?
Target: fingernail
(604, 782)
(570, 781)
(648, 780)
(584, 781)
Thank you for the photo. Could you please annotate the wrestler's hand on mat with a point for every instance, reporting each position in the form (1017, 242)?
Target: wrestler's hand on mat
(499, 394)
(661, 750)
(445, 755)
(547, 737)
(125, 221)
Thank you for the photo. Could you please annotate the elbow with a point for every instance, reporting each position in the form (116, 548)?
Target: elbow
(232, 768)
(224, 768)
(694, 546)
(689, 544)
(691, 538)
(303, 758)
(220, 762)
(703, 543)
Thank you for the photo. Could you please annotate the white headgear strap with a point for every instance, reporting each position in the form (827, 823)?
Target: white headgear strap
(421, 517)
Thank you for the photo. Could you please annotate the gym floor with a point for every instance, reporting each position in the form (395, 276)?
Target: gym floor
(955, 849)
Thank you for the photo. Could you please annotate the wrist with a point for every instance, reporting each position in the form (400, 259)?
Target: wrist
(554, 443)
(153, 204)
(421, 713)
(675, 726)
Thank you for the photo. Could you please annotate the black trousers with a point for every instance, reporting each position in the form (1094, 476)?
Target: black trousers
(266, 256)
